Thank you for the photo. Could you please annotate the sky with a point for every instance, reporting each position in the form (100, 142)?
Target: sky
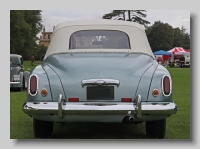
(176, 18)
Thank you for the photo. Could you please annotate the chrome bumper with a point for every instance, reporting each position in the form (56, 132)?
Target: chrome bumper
(95, 108)
(14, 82)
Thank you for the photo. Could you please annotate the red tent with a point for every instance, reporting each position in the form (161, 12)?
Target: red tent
(179, 51)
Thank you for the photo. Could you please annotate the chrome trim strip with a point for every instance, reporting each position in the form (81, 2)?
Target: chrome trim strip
(170, 85)
(60, 115)
(117, 108)
(14, 82)
(100, 82)
(29, 85)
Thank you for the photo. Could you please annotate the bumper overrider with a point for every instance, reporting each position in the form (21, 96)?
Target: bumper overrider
(136, 109)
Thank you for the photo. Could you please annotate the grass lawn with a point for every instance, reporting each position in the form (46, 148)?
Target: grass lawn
(178, 125)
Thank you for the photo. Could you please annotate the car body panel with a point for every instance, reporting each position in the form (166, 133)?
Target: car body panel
(43, 82)
(156, 84)
(79, 67)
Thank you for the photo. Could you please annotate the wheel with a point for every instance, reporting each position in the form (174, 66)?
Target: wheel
(42, 129)
(23, 84)
(156, 129)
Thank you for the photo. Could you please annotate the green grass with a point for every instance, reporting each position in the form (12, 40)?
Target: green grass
(178, 125)
(27, 65)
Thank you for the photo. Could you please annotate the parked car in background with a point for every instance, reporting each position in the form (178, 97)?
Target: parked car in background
(187, 61)
(18, 77)
(99, 71)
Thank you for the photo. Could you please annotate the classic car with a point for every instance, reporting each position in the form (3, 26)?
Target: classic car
(18, 77)
(99, 71)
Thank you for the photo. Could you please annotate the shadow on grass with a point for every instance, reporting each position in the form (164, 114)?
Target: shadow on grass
(98, 131)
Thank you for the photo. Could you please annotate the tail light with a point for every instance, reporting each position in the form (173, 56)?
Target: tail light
(126, 99)
(33, 85)
(73, 99)
(166, 85)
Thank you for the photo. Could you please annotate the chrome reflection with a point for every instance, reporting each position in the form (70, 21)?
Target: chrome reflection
(100, 82)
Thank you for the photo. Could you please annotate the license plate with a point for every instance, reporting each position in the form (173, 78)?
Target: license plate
(100, 92)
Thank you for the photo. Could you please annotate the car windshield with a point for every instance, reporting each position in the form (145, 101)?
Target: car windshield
(99, 39)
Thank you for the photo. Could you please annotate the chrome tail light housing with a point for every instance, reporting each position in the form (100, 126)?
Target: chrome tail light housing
(33, 85)
(166, 85)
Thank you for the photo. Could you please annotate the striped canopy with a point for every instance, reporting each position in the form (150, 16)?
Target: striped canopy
(179, 51)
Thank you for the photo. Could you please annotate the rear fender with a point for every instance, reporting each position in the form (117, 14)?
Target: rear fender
(156, 83)
(55, 83)
(145, 82)
(43, 83)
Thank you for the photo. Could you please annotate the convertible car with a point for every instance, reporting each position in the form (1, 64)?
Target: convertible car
(99, 71)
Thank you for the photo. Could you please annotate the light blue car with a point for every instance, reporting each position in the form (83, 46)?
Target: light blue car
(99, 71)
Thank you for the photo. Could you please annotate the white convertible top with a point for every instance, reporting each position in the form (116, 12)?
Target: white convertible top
(62, 32)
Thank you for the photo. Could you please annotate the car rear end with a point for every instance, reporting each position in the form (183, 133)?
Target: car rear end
(100, 78)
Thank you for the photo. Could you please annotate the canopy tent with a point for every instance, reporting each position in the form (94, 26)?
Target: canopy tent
(179, 51)
(162, 52)
(165, 55)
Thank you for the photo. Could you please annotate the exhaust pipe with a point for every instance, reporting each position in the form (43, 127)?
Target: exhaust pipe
(130, 118)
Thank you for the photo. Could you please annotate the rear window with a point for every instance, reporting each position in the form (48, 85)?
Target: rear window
(99, 39)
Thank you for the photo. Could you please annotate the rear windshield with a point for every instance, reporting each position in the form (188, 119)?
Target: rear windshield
(99, 39)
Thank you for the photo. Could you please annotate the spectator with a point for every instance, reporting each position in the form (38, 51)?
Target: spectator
(32, 60)
(182, 60)
(159, 59)
(171, 62)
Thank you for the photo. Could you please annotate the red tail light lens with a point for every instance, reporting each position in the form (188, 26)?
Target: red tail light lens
(33, 85)
(126, 99)
(166, 85)
(73, 99)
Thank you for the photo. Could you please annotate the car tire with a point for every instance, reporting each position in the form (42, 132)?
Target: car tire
(156, 129)
(21, 88)
(42, 129)
(23, 83)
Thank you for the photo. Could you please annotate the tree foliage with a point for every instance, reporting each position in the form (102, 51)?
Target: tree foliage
(181, 38)
(40, 51)
(128, 15)
(24, 27)
(163, 36)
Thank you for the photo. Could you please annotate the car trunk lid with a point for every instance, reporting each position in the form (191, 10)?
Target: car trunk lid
(73, 69)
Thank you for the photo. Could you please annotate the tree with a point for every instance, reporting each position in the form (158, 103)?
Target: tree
(178, 38)
(24, 27)
(181, 38)
(132, 15)
(41, 51)
(186, 41)
(160, 36)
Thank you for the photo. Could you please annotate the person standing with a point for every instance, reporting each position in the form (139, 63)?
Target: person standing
(171, 62)
(32, 60)
(182, 60)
